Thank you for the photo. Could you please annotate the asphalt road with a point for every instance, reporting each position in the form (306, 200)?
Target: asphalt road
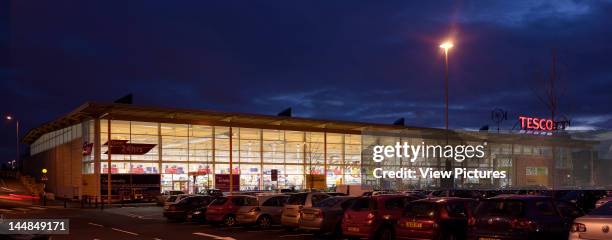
(141, 222)
(137, 221)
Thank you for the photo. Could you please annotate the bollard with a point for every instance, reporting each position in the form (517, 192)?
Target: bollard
(45, 200)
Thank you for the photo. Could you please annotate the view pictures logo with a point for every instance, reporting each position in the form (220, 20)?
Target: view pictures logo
(457, 152)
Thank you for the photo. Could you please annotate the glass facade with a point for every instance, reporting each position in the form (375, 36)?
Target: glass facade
(188, 156)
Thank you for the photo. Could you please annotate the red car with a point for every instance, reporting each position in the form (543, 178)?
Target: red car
(436, 218)
(223, 209)
(373, 217)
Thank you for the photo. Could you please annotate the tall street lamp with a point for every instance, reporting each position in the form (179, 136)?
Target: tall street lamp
(446, 46)
(11, 118)
(448, 164)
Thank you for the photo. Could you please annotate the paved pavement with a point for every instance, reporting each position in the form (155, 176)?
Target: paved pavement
(142, 222)
(135, 221)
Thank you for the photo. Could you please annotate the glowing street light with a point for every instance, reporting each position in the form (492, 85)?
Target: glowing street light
(11, 118)
(446, 45)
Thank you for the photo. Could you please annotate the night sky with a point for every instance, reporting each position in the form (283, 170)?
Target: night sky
(366, 61)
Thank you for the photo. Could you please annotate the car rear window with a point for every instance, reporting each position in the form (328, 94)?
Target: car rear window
(605, 210)
(330, 202)
(421, 210)
(501, 207)
(244, 201)
(545, 208)
(297, 199)
(364, 203)
(219, 201)
(397, 203)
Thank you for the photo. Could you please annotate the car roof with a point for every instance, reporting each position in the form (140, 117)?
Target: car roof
(445, 199)
(519, 197)
(237, 196)
(385, 196)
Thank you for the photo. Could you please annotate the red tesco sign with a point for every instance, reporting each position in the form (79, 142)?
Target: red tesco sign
(541, 124)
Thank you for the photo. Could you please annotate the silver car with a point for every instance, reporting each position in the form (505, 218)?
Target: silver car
(291, 212)
(326, 216)
(596, 225)
(267, 213)
(175, 199)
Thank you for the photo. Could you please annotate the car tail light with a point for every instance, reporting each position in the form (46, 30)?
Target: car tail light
(524, 224)
(578, 227)
(371, 216)
(471, 221)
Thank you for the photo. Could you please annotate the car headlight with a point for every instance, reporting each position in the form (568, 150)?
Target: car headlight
(197, 212)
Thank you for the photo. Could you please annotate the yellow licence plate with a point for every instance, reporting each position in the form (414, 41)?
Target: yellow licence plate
(414, 225)
(353, 229)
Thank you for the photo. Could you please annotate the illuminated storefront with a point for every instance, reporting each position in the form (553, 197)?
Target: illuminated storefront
(194, 150)
(188, 149)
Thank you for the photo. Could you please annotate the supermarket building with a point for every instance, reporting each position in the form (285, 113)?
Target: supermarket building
(159, 149)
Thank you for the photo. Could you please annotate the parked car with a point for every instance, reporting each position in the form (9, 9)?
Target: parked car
(522, 217)
(184, 208)
(595, 225)
(211, 192)
(267, 212)
(223, 209)
(199, 214)
(175, 198)
(326, 216)
(373, 217)
(602, 201)
(436, 218)
(161, 199)
(291, 211)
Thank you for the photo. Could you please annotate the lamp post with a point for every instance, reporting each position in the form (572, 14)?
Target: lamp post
(446, 46)
(11, 118)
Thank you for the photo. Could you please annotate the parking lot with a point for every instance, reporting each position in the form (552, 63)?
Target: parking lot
(365, 215)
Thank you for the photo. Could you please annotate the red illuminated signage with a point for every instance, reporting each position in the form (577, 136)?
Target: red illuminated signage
(542, 124)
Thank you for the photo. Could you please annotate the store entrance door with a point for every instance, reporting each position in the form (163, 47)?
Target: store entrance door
(199, 182)
(180, 185)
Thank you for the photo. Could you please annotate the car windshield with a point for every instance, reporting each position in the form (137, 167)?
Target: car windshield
(500, 207)
(219, 201)
(297, 199)
(330, 202)
(605, 209)
(421, 210)
(171, 199)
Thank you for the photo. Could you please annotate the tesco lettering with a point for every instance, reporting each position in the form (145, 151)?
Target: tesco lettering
(541, 124)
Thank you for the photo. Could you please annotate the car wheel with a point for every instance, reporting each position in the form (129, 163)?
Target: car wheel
(264, 222)
(229, 221)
